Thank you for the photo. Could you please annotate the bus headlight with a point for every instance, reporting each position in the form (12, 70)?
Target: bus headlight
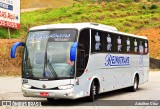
(26, 86)
(65, 87)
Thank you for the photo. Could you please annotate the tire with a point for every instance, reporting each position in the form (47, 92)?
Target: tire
(93, 92)
(50, 99)
(134, 88)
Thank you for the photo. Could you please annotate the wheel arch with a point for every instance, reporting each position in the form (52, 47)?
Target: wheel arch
(97, 82)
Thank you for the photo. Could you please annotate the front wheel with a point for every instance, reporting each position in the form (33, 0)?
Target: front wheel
(93, 92)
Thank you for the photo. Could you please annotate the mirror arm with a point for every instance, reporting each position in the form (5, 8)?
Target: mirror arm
(14, 47)
(73, 51)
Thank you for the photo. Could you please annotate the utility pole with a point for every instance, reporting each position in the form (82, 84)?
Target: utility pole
(9, 34)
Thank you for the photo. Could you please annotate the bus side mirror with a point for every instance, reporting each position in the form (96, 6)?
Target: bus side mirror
(14, 47)
(73, 51)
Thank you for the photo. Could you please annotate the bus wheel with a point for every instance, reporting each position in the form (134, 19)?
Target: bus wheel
(93, 92)
(134, 88)
(50, 99)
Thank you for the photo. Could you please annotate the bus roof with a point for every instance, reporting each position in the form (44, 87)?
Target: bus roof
(81, 26)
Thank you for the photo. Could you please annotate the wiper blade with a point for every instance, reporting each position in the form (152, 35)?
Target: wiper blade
(51, 69)
(47, 62)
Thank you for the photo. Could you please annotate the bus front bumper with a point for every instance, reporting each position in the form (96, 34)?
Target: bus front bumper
(66, 94)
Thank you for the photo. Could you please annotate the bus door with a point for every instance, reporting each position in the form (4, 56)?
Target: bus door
(80, 66)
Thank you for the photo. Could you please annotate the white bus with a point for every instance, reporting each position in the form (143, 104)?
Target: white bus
(77, 60)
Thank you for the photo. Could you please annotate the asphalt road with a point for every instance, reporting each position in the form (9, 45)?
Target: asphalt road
(10, 89)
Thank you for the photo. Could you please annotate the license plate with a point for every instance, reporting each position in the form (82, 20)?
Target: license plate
(44, 94)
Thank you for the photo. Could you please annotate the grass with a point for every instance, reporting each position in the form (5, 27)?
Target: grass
(43, 3)
(3, 33)
(127, 17)
(9, 66)
(121, 15)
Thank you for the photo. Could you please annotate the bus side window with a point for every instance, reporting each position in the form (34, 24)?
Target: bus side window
(135, 42)
(145, 47)
(132, 45)
(121, 42)
(141, 47)
(108, 42)
(96, 41)
(128, 44)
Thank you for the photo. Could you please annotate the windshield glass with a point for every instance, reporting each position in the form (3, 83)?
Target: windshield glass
(47, 54)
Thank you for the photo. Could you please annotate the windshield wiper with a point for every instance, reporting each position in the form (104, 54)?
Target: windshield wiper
(51, 69)
(47, 62)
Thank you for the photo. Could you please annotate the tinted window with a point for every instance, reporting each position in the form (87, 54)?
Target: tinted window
(120, 43)
(109, 45)
(128, 44)
(146, 49)
(102, 41)
(139, 46)
(97, 41)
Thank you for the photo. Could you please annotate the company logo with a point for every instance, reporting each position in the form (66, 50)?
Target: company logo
(20, 103)
(6, 103)
(111, 60)
(56, 36)
(43, 86)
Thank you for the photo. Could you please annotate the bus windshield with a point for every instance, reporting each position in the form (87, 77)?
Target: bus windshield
(47, 54)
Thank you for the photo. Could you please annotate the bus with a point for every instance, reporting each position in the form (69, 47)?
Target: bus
(70, 61)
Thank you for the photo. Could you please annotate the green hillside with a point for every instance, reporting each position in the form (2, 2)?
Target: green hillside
(25, 4)
(127, 16)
